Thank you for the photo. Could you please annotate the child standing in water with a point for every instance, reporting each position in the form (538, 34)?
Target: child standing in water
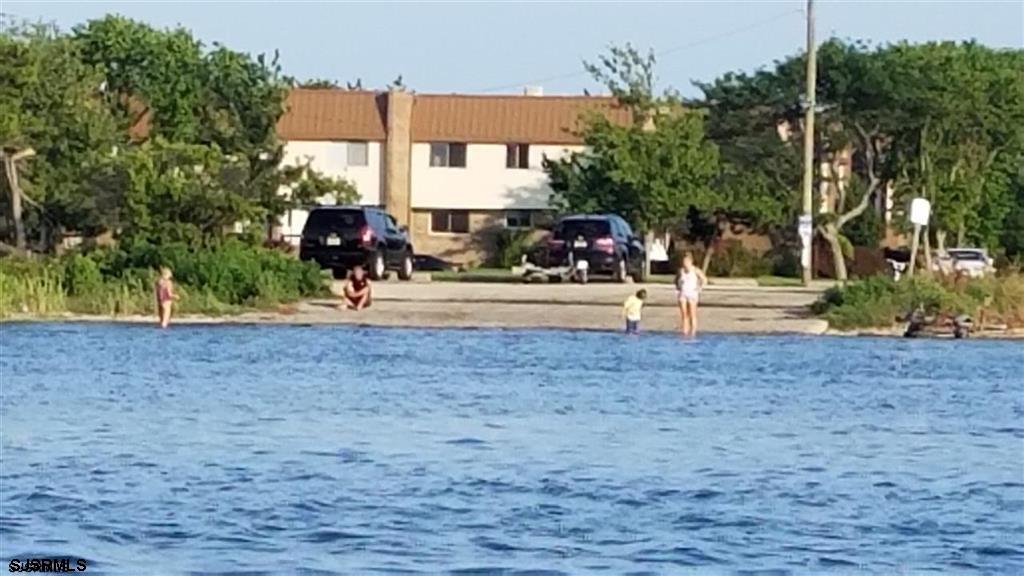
(689, 283)
(165, 296)
(632, 310)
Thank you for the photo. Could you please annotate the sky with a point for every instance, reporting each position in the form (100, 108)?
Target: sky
(501, 47)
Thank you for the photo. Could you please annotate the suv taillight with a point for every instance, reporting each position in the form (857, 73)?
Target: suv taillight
(605, 244)
(366, 235)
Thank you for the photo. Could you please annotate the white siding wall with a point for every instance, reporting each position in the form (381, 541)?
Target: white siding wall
(331, 159)
(485, 183)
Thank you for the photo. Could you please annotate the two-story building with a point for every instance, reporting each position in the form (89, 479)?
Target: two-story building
(454, 168)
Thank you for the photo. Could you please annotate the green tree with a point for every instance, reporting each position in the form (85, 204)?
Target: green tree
(54, 133)
(651, 171)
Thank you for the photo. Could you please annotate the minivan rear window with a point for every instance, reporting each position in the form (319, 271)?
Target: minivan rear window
(333, 220)
(569, 229)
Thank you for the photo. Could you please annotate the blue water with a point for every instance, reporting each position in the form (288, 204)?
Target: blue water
(323, 450)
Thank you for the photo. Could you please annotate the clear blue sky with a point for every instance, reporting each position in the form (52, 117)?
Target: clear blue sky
(501, 46)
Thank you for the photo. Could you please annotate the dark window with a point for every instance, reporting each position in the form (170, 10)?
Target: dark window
(333, 220)
(570, 229)
(517, 156)
(453, 221)
(448, 154)
(517, 219)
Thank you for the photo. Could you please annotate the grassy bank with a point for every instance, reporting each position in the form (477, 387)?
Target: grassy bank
(224, 280)
(879, 302)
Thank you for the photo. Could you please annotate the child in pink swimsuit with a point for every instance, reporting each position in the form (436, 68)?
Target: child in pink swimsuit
(165, 296)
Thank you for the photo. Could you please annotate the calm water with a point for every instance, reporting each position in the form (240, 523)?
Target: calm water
(323, 450)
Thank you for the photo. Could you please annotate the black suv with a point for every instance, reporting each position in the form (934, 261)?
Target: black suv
(605, 241)
(340, 237)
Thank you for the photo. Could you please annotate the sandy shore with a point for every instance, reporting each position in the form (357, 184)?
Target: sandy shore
(730, 309)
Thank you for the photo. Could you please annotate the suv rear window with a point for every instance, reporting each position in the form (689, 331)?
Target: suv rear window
(333, 220)
(570, 229)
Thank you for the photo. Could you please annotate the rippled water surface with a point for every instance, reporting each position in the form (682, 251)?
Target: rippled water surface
(322, 450)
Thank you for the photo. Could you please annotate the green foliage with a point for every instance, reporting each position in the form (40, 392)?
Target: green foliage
(82, 276)
(146, 133)
(511, 245)
(650, 177)
(738, 262)
(879, 301)
(49, 102)
(944, 120)
(228, 278)
(865, 231)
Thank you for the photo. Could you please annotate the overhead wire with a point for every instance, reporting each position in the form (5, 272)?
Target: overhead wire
(660, 53)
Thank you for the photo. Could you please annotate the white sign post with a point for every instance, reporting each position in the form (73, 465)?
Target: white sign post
(805, 230)
(920, 212)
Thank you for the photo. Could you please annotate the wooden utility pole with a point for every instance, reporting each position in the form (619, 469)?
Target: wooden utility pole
(806, 225)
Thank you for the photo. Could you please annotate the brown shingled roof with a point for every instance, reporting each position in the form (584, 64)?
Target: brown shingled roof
(332, 114)
(502, 119)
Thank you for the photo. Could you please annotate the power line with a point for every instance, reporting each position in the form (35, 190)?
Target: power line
(674, 49)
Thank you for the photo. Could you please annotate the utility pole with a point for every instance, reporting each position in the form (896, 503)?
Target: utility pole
(805, 227)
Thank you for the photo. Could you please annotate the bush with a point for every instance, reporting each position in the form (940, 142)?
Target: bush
(234, 273)
(510, 246)
(82, 275)
(879, 301)
(736, 261)
(120, 282)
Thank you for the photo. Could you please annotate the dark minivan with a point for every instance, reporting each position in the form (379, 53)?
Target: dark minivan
(340, 237)
(605, 241)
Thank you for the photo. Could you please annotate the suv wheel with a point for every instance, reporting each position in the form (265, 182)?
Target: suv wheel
(339, 273)
(405, 272)
(378, 269)
(641, 275)
(621, 270)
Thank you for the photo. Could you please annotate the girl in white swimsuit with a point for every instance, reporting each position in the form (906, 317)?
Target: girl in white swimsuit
(689, 283)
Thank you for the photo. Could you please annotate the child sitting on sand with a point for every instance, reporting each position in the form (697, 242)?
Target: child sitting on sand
(632, 310)
(357, 290)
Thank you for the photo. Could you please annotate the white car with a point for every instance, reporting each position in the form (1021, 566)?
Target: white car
(972, 262)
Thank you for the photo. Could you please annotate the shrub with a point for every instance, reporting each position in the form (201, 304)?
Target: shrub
(510, 245)
(82, 275)
(878, 300)
(737, 261)
(120, 282)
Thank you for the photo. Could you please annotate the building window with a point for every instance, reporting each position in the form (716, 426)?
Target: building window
(451, 221)
(448, 154)
(517, 156)
(358, 154)
(517, 219)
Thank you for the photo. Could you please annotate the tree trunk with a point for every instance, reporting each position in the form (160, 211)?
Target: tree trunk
(961, 234)
(831, 234)
(928, 250)
(709, 250)
(940, 240)
(11, 171)
(648, 242)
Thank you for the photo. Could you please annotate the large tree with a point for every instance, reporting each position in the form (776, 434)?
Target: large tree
(54, 133)
(125, 119)
(651, 171)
